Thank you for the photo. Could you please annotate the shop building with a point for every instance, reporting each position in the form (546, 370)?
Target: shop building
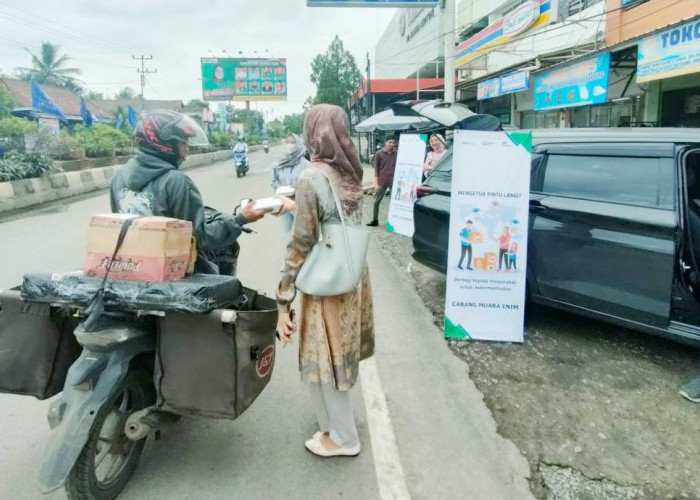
(411, 46)
(507, 42)
(617, 63)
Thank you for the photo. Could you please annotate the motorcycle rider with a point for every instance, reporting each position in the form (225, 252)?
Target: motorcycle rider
(241, 146)
(152, 184)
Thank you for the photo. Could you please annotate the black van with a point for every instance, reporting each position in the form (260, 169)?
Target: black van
(614, 229)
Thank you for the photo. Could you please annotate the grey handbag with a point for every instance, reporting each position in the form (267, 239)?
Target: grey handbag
(337, 261)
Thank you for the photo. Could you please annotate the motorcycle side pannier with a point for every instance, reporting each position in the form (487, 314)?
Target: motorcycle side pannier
(216, 364)
(37, 346)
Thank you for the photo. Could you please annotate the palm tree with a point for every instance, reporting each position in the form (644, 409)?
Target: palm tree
(94, 96)
(48, 68)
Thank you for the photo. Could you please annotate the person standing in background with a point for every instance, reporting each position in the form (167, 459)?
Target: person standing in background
(288, 169)
(439, 147)
(384, 167)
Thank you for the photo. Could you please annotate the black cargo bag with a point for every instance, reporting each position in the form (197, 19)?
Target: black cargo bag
(37, 346)
(216, 364)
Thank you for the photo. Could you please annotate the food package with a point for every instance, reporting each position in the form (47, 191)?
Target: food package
(491, 258)
(476, 237)
(155, 249)
(480, 263)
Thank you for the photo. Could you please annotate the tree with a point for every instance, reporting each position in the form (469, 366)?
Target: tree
(252, 119)
(275, 129)
(7, 103)
(335, 75)
(196, 105)
(125, 94)
(94, 96)
(294, 123)
(49, 68)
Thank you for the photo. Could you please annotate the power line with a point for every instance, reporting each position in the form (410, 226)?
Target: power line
(553, 28)
(143, 72)
(73, 30)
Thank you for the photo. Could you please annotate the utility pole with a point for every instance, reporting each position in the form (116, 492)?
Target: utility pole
(450, 50)
(369, 105)
(143, 72)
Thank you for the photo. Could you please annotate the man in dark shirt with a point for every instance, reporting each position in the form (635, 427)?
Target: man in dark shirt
(384, 166)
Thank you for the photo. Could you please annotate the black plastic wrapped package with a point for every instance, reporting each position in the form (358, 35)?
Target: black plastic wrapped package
(199, 293)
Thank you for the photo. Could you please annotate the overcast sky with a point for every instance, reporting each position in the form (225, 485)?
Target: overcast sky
(102, 35)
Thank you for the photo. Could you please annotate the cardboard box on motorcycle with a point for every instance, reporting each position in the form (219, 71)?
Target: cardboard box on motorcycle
(155, 248)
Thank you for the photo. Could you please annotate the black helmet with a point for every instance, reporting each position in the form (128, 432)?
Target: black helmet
(158, 132)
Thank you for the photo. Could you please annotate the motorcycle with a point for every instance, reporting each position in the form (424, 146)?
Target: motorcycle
(266, 147)
(139, 368)
(240, 158)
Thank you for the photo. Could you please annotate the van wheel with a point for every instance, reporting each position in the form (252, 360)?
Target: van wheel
(109, 458)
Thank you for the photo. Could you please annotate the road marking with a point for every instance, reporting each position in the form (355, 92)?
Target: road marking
(387, 463)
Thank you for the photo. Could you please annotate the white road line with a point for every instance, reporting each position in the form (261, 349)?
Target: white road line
(387, 463)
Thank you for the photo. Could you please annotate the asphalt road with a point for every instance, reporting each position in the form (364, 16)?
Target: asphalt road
(424, 428)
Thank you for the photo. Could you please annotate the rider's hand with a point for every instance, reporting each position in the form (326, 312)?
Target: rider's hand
(288, 205)
(251, 214)
(285, 326)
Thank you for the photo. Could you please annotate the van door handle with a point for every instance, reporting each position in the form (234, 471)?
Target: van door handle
(536, 207)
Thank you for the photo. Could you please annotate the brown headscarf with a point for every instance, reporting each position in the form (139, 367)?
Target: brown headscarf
(327, 137)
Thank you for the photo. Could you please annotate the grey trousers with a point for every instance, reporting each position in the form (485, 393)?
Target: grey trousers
(378, 197)
(334, 414)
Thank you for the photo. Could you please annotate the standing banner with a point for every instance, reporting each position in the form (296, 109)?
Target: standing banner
(487, 256)
(407, 177)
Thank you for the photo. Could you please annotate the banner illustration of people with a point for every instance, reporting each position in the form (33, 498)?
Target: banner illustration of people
(407, 178)
(487, 253)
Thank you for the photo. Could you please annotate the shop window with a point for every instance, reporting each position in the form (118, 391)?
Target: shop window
(581, 117)
(576, 6)
(527, 120)
(630, 181)
(600, 116)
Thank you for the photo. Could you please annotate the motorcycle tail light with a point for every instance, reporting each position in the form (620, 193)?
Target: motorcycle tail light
(425, 191)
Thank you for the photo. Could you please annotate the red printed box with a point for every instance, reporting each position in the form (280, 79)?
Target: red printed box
(155, 248)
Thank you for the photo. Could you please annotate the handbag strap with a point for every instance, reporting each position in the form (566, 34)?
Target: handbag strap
(339, 206)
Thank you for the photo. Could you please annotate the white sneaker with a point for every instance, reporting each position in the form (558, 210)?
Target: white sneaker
(317, 448)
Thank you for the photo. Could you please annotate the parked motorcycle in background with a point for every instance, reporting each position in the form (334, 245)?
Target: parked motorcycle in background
(266, 146)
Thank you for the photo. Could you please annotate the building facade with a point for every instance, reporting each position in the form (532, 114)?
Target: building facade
(581, 63)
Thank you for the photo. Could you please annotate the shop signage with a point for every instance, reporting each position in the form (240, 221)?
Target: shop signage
(506, 84)
(487, 254)
(407, 177)
(371, 3)
(488, 89)
(521, 18)
(669, 53)
(577, 84)
(529, 16)
(515, 82)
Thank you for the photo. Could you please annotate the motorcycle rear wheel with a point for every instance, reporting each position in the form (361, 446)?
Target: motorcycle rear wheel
(109, 458)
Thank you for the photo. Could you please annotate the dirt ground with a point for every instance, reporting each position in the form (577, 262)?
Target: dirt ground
(594, 408)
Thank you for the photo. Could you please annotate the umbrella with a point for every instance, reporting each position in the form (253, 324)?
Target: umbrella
(447, 114)
(388, 120)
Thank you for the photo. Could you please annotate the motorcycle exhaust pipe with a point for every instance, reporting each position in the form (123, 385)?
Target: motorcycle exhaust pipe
(142, 422)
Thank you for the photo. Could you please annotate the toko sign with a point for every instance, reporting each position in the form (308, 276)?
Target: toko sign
(521, 18)
(672, 52)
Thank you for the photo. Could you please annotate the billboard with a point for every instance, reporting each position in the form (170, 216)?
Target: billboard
(669, 53)
(371, 3)
(577, 84)
(242, 79)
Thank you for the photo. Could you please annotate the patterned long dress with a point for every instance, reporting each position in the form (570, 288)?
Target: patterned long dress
(336, 333)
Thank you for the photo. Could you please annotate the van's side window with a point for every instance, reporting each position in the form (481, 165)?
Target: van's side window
(631, 181)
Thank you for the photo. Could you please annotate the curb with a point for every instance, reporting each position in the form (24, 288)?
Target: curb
(26, 193)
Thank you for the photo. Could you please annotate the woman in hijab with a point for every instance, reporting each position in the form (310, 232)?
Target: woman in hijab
(286, 171)
(336, 332)
(438, 146)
